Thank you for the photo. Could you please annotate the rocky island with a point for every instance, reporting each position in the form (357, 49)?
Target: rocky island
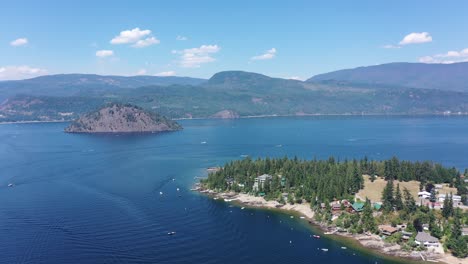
(122, 118)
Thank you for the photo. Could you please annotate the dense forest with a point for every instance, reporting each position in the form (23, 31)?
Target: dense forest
(325, 180)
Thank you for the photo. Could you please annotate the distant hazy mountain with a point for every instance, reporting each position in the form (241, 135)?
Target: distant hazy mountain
(416, 75)
(234, 94)
(85, 84)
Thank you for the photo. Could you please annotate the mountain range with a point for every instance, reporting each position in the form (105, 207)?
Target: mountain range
(396, 88)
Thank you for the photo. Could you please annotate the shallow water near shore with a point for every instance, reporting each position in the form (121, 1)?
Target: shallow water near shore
(96, 198)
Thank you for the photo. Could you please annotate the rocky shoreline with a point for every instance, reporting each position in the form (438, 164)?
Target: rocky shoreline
(367, 241)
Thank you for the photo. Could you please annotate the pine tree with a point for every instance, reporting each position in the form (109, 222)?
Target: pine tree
(410, 203)
(433, 195)
(447, 211)
(367, 219)
(398, 199)
(387, 197)
(457, 242)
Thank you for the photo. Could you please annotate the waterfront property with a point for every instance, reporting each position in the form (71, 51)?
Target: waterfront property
(424, 195)
(424, 239)
(387, 230)
(260, 181)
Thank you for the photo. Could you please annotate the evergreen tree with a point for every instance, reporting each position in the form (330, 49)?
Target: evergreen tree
(433, 195)
(410, 203)
(398, 199)
(447, 210)
(457, 242)
(367, 218)
(387, 197)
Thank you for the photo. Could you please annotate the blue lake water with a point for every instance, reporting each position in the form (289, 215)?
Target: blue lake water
(96, 198)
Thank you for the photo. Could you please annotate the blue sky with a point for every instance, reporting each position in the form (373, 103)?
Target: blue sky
(278, 38)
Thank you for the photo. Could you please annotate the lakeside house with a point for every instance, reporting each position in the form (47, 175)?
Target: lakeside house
(260, 181)
(387, 230)
(424, 195)
(455, 198)
(465, 231)
(406, 235)
(424, 239)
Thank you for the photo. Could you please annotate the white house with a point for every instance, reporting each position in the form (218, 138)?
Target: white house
(455, 198)
(424, 195)
(260, 181)
(423, 238)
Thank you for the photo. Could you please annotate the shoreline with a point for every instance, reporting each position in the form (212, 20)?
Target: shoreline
(264, 116)
(371, 244)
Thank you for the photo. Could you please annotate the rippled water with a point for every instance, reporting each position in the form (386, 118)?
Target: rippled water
(96, 198)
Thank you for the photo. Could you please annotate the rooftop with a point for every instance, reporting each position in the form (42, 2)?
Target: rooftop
(425, 237)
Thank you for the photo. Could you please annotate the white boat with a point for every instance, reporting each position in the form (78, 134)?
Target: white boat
(171, 233)
(10, 185)
(242, 208)
(302, 217)
(325, 249)
(343, 247)
(292, 216)
(178, 189)
(203, 142)
(160, 193)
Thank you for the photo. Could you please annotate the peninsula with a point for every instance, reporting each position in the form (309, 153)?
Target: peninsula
(400, 208)
(122, 118)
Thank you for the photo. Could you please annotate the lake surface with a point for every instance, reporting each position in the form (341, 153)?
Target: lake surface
(96, 198)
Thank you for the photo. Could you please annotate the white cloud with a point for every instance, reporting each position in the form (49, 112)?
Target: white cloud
(19, 42)
(389, 46)
(447, 58)
(182, 38)
(20, 72)
(195, 57)
(146, 42)
(166, 73)
(268, 55)
(139, 38)
(416, 38)
(104, 53)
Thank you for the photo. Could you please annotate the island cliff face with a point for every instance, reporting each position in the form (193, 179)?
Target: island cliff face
(119, 118)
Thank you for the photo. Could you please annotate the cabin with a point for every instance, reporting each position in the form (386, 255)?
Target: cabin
(439, 186)
(424, 239)
(465, 231)
(358, 206)
(387, 230)
(346, 203)
(336, 207)
(406, 235)
(424, 195)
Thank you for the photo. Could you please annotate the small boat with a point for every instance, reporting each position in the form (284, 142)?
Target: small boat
(173, 179)
(203, 142)
(10, 185)
(343, 247)
(160, 193)
(292, 216)
(244, 156)
(316, 236)
(302, 217)
(178, 189)
(328, 233)
(171, 233)
(242, 208)
(325, 249)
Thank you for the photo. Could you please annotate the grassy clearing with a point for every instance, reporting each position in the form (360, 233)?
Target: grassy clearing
(373, 190)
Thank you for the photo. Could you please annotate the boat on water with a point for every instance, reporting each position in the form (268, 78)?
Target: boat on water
(325, 249)
(316, 236)
(343, 247)
(11, 185)
(178, 189)
(292, 216)
(171, 233)
(229, 200)
(203, 142)
(242, 208)
(160, 193)
(302, 217)
(244, 156)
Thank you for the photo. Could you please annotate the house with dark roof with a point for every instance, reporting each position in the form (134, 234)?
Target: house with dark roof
(387, 230)
(424, 239)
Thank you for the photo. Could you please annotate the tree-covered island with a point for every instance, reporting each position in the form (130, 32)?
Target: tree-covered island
(430, 215)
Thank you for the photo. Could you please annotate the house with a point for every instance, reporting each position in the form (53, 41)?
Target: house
(406, 235)
(358, 206)
(455, 198)
(424, 195)
(424, 239)
(346, 203)
(260, 181)
(465, 231)
(439, 186)
(336, 207)
(387, 230)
